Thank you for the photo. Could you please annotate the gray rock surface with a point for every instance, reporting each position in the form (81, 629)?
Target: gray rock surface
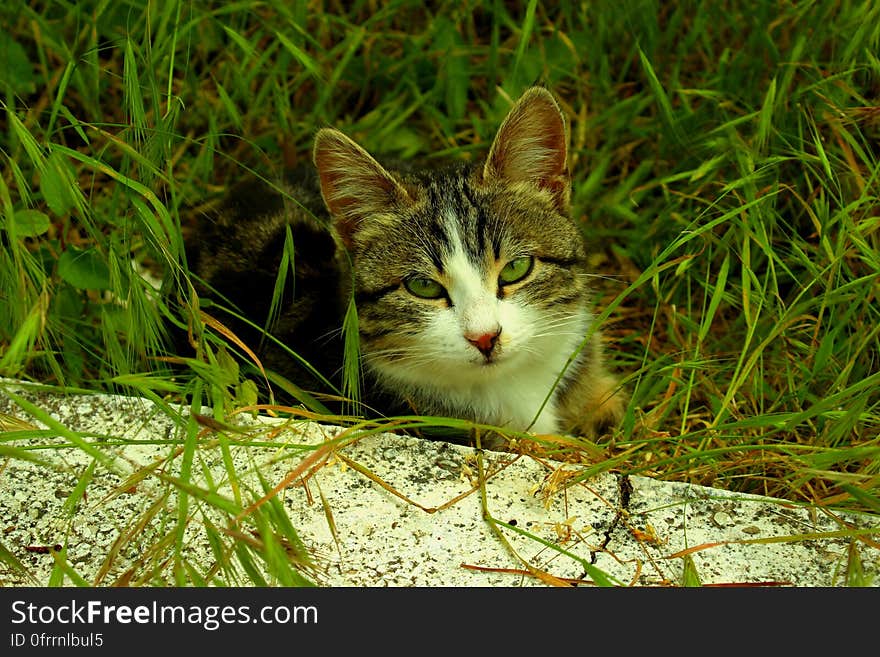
(373, 510)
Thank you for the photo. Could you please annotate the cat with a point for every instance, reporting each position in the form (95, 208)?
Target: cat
(470, 281)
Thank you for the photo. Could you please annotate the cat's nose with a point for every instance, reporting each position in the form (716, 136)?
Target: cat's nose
(484, 341)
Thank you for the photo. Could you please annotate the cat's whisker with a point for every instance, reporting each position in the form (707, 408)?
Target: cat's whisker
(326, 339)
(556, 334)
(606, 277)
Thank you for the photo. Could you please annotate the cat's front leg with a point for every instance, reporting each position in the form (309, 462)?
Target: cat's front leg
(594, 405)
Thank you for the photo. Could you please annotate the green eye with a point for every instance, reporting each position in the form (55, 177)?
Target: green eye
(516, 270)
(424, 288)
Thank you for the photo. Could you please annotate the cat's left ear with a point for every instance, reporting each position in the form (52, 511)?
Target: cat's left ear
(532, 147)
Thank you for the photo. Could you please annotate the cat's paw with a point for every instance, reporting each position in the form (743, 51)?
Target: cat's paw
(598, 408)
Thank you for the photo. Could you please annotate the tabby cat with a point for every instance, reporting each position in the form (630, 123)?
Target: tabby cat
(470, 282)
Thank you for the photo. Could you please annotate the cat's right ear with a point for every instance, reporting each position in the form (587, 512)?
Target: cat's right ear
(354, 185)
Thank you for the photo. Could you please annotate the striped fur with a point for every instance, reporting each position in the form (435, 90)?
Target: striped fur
(481, 346)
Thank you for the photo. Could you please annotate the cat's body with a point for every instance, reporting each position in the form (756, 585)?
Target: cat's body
(470, 282)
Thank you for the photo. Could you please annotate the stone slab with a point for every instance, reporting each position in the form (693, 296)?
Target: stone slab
(382, 509)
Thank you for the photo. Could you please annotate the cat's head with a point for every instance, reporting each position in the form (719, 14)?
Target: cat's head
(463, 274)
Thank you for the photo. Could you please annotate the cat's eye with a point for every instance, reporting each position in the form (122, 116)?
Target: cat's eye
(516, 270)
(424, 288)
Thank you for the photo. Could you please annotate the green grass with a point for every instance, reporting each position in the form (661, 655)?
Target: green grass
(725, 164)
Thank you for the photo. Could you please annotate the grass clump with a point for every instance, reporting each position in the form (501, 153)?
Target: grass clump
(725, 170)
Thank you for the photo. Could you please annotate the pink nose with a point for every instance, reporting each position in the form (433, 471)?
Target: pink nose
(485, 342)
